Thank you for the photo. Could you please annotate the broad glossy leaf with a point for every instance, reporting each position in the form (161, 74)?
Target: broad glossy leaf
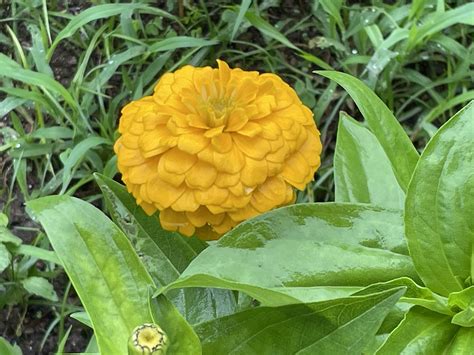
(463, 342)
(102, 266)
(164, 254)
(415, 294)
(342, 326)
(383, 124)
(463, 303)
(304, 245)
(440, 206)
(362, 171)
(421, 332)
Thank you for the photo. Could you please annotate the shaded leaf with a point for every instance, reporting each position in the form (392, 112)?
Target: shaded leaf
(342, 326)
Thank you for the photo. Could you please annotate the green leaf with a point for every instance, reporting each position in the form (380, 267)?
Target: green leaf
(342, 326)
(333, 8)
(438, 21)
(180, 42)
(439, 206)
(463, 343)
(102, 266)
(8, 237)
(30, 77)
(165, 254)
(55, 132)
(3, 220)
(7, 349)
(268, 30)
(100, 12)
(82, 317)
(362, 171)
(383, 125)
(415, 294)
(112, 65)
(5, 257)
(183, 339)
(421, 332)
(304, 245)
(38, 52)
(463, 303)
(9, 104)
(41, 287)
(76, 155)
(244, 6)
(38, 253)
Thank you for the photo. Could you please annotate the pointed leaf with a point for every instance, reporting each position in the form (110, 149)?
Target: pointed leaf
(440, 206)
(383, 125)
(102, 266)
(343, 326)
(421, 332)
(362, 171)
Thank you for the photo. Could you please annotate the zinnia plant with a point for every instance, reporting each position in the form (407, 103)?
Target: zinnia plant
(386, 269)
(213, 147)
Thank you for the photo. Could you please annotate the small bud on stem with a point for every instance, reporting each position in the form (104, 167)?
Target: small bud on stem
(148, 339)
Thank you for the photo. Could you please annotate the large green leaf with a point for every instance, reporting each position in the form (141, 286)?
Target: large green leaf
(342, 326)
(463, 343)
(421, 332)
(362, 170)
(165, 254)
(304, 246)
(440, 206)
(106, 273)
(383, 124)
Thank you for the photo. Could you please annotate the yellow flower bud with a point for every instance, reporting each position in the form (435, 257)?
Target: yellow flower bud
(213, 147)
(148, 339)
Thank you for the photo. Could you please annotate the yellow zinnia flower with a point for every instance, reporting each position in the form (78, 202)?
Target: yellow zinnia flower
(213, 147)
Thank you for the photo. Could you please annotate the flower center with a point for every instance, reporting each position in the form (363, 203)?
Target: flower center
(218, 110)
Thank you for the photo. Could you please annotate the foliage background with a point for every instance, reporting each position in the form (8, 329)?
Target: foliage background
(60, 100)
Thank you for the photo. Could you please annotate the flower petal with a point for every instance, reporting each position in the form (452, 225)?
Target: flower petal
(201, 175)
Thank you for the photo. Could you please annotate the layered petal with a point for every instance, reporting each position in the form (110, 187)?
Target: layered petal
(213, 147)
